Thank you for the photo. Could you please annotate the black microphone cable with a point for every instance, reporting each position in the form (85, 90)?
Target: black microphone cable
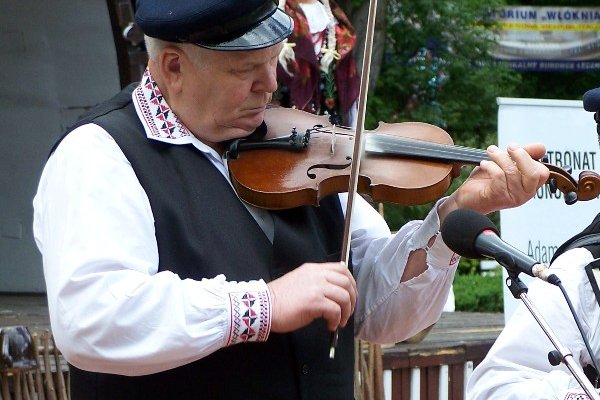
(578, 323)
(461, 230)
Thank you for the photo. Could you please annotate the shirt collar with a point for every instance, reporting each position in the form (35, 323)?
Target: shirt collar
(159, 121)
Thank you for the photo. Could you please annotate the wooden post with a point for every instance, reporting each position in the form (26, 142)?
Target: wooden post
(48, 379)
(378, 372)
(357, 385)
(17, 385)
(30, 385)
(39, 384)
(5, 391)
(62, 391)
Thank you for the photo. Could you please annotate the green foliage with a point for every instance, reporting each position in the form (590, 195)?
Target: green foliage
(467, 266)
(558, 85)
(554, 3)
(438, 69)
(478, 293)
(396, 215)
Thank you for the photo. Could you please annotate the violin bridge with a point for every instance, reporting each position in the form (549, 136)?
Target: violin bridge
(333, 139)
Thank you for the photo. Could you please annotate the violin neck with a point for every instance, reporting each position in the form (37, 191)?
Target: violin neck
(420, 149)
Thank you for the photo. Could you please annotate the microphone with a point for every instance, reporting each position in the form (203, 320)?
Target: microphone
(591, 100)
(473, 235)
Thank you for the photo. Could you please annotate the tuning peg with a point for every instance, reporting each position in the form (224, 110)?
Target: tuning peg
(570, 198)
(552, 185)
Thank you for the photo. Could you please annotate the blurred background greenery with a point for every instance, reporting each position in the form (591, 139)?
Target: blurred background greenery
(432, 63)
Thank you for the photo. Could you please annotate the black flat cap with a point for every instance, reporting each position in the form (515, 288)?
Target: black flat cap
(215, 24)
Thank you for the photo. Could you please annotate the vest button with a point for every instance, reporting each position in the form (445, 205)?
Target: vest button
(305, 369)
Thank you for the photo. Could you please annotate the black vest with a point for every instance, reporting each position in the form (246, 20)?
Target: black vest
(588, 238)
(202, 230)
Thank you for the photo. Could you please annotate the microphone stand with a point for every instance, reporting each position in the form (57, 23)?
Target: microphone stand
(519, 290)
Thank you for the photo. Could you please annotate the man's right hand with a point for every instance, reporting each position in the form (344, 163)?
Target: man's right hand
(311, 291)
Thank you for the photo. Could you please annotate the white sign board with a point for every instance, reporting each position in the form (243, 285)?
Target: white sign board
(569, 132)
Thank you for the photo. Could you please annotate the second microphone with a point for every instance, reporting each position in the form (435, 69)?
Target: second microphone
(473, 235)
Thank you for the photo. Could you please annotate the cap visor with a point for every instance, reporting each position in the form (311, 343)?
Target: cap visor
(267, 33)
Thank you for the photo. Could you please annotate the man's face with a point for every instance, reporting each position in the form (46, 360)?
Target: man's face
(225, 97)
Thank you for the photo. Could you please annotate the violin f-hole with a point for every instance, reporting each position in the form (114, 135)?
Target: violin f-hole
(336, 167)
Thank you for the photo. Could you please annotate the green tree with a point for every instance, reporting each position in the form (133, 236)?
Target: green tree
(432, 64)
(437, 69)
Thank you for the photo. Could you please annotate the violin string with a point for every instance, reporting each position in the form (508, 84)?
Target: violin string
(395, 143)
(382, 143)
(327, 130)
(416, 147)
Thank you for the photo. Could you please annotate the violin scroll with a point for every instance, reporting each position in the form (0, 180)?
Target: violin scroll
(589, 185)
(587, 188)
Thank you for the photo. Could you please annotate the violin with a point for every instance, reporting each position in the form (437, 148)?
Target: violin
(406, 163)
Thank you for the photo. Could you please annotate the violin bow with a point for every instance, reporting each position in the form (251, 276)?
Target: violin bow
(358, 146)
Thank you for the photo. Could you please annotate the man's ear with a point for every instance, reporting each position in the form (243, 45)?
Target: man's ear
(171, 60)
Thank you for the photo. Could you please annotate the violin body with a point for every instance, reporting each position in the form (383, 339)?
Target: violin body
(405, 163)
(279, 178)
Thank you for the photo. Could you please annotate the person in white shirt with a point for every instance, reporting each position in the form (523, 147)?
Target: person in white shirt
(517, 365)
(163, 284)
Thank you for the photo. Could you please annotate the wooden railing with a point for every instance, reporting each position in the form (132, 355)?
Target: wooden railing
(46, 379)
(416, 373)
(432, 373)
(434, 364)
(433, 367)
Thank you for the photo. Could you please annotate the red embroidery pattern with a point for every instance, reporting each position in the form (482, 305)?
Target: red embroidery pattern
(158, 116)
(576, 396)
(454, 259)
(251, 317)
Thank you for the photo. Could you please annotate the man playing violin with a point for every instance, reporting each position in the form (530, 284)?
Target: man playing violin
(163, 284)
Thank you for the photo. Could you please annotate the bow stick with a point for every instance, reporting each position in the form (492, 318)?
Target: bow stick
(358, 146)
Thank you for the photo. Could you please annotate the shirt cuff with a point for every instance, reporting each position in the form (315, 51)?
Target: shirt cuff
(438, 254)
(250, 313)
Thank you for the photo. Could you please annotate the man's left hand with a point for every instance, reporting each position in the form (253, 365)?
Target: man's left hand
(510, 178)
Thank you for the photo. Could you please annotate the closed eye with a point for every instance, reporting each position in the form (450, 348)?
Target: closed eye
(243, 73)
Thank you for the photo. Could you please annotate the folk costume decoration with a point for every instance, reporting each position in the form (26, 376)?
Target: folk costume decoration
(317, 71)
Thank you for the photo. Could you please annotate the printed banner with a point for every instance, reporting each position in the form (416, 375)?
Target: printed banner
(540, 226)
(549, 38)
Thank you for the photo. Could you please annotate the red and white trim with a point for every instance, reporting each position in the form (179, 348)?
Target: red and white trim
(160, 122)
(250, 317)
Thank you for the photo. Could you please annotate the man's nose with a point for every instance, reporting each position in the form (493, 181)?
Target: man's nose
(267, 81)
